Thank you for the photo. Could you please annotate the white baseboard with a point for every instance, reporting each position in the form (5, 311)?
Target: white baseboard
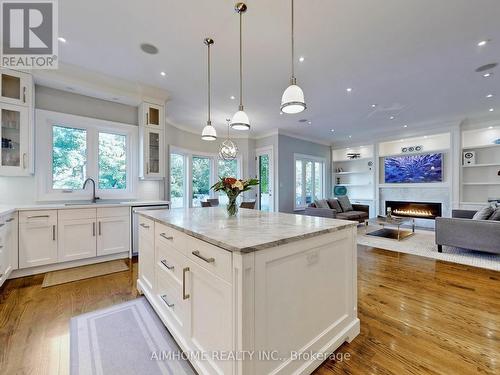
(59, 266)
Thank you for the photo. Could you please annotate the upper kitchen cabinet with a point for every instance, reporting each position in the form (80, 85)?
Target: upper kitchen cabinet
(152, 115)
(16, 87)
(16, 124)
(152, 143)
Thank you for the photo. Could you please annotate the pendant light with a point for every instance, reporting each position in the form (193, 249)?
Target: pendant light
(228, 150)
(240, 119)
(209, 133)
(292, 100)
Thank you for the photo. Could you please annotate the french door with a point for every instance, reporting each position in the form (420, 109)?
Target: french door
(265, 173)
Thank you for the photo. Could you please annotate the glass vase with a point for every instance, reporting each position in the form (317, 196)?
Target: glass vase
(232, 207)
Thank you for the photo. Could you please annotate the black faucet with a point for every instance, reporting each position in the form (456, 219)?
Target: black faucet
(94, 198)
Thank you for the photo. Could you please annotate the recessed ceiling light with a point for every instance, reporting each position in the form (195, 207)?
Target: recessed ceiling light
(401, 140)
(405, 126)
(486, 75)
(350, 136)
(232, 97)
(61, 39)
(491, 109)
(281, 113)
(392, 118)
(332, 130)
(163, 74)
(349, 89)
(374, 105)
(149, 48)
(309, 122)
(482, 43)
(301, 59)
(490, 127)
(425, 137)
(489, 96)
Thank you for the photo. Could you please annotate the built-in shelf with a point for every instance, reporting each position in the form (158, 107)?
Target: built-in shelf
(493, 145)
(344, 160)
(474, 203)
(351, 185)
(480, 183)
(481, 165)
(359, 172)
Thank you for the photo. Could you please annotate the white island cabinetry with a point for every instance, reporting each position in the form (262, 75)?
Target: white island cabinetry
(266, 283)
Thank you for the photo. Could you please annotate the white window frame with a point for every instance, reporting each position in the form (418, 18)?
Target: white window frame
(45, 120)
(304, 159)
(188, 173)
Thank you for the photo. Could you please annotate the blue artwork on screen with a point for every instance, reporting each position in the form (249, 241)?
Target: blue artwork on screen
(414, 168)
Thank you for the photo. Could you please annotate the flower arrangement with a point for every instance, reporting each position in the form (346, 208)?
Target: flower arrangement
(233, 187)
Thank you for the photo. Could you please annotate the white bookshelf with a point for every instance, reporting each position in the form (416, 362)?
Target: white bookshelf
(356, 175)
(480, 181)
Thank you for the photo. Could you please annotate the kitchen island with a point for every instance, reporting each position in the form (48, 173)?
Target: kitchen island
(258, 293)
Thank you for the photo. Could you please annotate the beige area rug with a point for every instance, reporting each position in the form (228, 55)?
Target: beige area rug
(83, 272)
(422, 243)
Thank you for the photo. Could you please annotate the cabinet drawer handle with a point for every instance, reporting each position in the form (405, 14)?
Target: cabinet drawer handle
(9, 220)
(1, 225)
(93, 229)
(100, 231)
(144, 226)
(184, 295)
(170, 238)
(164, 298)
(24, 161)
(169, 267)
(147, 118)
(24, 94)
(208, 260)
(38, 217)
(53, 232)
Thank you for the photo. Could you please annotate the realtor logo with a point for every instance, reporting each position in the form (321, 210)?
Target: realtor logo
(29, 34)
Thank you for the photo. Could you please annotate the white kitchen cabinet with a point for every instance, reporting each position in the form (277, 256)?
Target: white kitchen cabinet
(5, 261)
(210, 320)
(146, 246)
(16, 87)
(113, 230)
(37, 238)
(152, 115)
(77, 234)
(11, 239)
(152, 152)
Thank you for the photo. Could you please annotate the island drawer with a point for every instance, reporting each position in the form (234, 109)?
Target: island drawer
(169, 295)
(172, 237)
(170, 261)
(146, 228)
(210, 257)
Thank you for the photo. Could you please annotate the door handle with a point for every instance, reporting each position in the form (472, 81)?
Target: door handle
(170, 238)
(164, 298)
(9, 220)
(93, 229)
(24, 94)
(38, 217)
(144, 226)
(208, 260)
(100, 232)
(53, 232)
(147, 118)
(24, 161)
(168, 266)
(184, 295)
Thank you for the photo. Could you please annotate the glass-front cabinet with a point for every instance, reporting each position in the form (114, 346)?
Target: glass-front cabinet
(15, 87)
(15, 159)
(152, 154)
(152, 115)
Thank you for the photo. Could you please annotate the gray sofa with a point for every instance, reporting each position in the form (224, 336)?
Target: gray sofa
(463, 232)
(359, 213)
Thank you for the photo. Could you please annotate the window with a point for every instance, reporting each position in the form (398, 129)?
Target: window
(200, 179)
(77, 148)
(309, 180)
(177, 180)
(69, 157)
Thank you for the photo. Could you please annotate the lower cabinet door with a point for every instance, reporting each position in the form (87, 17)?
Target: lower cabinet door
(113, 235)
(37, 238)
(146, 259)
(210, 327)
(77, 239)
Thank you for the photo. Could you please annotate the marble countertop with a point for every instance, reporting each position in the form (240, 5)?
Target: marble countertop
(250, 230)
(7, 209)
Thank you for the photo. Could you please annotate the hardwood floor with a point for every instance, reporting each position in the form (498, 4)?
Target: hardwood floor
(418, 316)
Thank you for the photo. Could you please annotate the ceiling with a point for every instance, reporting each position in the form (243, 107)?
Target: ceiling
(415, 59)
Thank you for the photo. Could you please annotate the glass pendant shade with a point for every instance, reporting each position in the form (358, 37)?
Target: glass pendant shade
(228, 150)
(292, 100)
(240, 121)
(209, 133)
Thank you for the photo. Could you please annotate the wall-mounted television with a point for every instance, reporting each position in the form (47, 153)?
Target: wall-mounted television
(420, 168)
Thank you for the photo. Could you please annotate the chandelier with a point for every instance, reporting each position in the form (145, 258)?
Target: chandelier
(228, 150)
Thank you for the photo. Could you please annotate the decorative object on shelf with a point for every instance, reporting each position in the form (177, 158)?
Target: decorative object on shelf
(228, 149)
(353, 155)
(240, 119)
(497, 141)
(389, 213)
(339, 190)
(469, 157)
(292, 100)
(233, 187)
(411, 149)
(209, 133)
(370, 165)
(338, 180)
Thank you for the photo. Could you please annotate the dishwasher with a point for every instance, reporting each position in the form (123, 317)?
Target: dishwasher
(135, 223)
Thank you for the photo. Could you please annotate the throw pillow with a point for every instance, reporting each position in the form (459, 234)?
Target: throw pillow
(345, 203)
(321, 203)
(483, 214)
(334, 204)
(496, 215)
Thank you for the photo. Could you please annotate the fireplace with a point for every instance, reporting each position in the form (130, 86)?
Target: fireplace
(418, 210)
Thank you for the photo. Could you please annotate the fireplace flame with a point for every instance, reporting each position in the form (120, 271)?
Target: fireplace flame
(412, 212)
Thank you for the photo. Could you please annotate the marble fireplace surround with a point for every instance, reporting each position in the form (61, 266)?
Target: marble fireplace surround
(414, 193)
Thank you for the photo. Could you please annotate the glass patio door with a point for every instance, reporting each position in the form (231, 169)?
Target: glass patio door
(265, 200)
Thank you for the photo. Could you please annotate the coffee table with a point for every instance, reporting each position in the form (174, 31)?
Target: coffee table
(393, 233)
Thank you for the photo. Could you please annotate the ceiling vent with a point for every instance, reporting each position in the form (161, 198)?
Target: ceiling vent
(149, 49)
(486, 67)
